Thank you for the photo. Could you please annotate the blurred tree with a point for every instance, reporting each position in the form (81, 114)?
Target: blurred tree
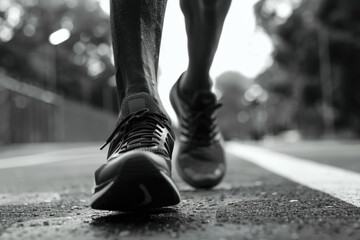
(281, 105)
(317, 47)
(75, 68)
(242, 115)
(231, 88)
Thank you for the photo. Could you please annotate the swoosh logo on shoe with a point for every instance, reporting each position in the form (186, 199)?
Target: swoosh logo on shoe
(147, 196)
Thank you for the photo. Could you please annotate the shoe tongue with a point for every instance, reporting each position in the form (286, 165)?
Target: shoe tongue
(203, 99)
(137, 102)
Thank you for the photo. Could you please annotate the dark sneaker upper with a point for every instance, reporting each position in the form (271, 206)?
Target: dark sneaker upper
(201, 157)
(142, 128)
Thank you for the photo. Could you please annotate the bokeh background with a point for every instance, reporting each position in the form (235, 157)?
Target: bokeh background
(285, 70)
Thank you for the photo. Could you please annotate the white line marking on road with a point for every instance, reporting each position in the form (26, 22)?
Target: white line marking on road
(28, 198)
(340, 183)
(49, 157)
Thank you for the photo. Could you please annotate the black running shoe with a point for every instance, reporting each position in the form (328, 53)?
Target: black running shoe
(137, 173)
(201, 158)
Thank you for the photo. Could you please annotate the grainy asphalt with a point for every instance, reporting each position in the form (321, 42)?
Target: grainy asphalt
(50, 201)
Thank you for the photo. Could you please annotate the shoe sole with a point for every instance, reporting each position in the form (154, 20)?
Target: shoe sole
(139, 185)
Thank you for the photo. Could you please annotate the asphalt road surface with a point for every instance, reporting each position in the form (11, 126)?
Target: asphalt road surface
(44, 192)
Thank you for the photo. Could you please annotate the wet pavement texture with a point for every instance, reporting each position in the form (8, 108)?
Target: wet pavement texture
(50, 201)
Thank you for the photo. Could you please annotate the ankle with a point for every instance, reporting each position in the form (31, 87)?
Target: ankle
(141, 88)
(137, 101)
(190, 84)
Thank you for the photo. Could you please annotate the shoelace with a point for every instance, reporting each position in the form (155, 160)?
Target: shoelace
(143, 135)
(202, 125)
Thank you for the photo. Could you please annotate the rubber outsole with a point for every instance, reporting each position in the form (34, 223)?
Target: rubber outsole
(139, 185)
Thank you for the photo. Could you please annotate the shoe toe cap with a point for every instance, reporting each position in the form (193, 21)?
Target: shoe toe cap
(111, 169)
(202, 167)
